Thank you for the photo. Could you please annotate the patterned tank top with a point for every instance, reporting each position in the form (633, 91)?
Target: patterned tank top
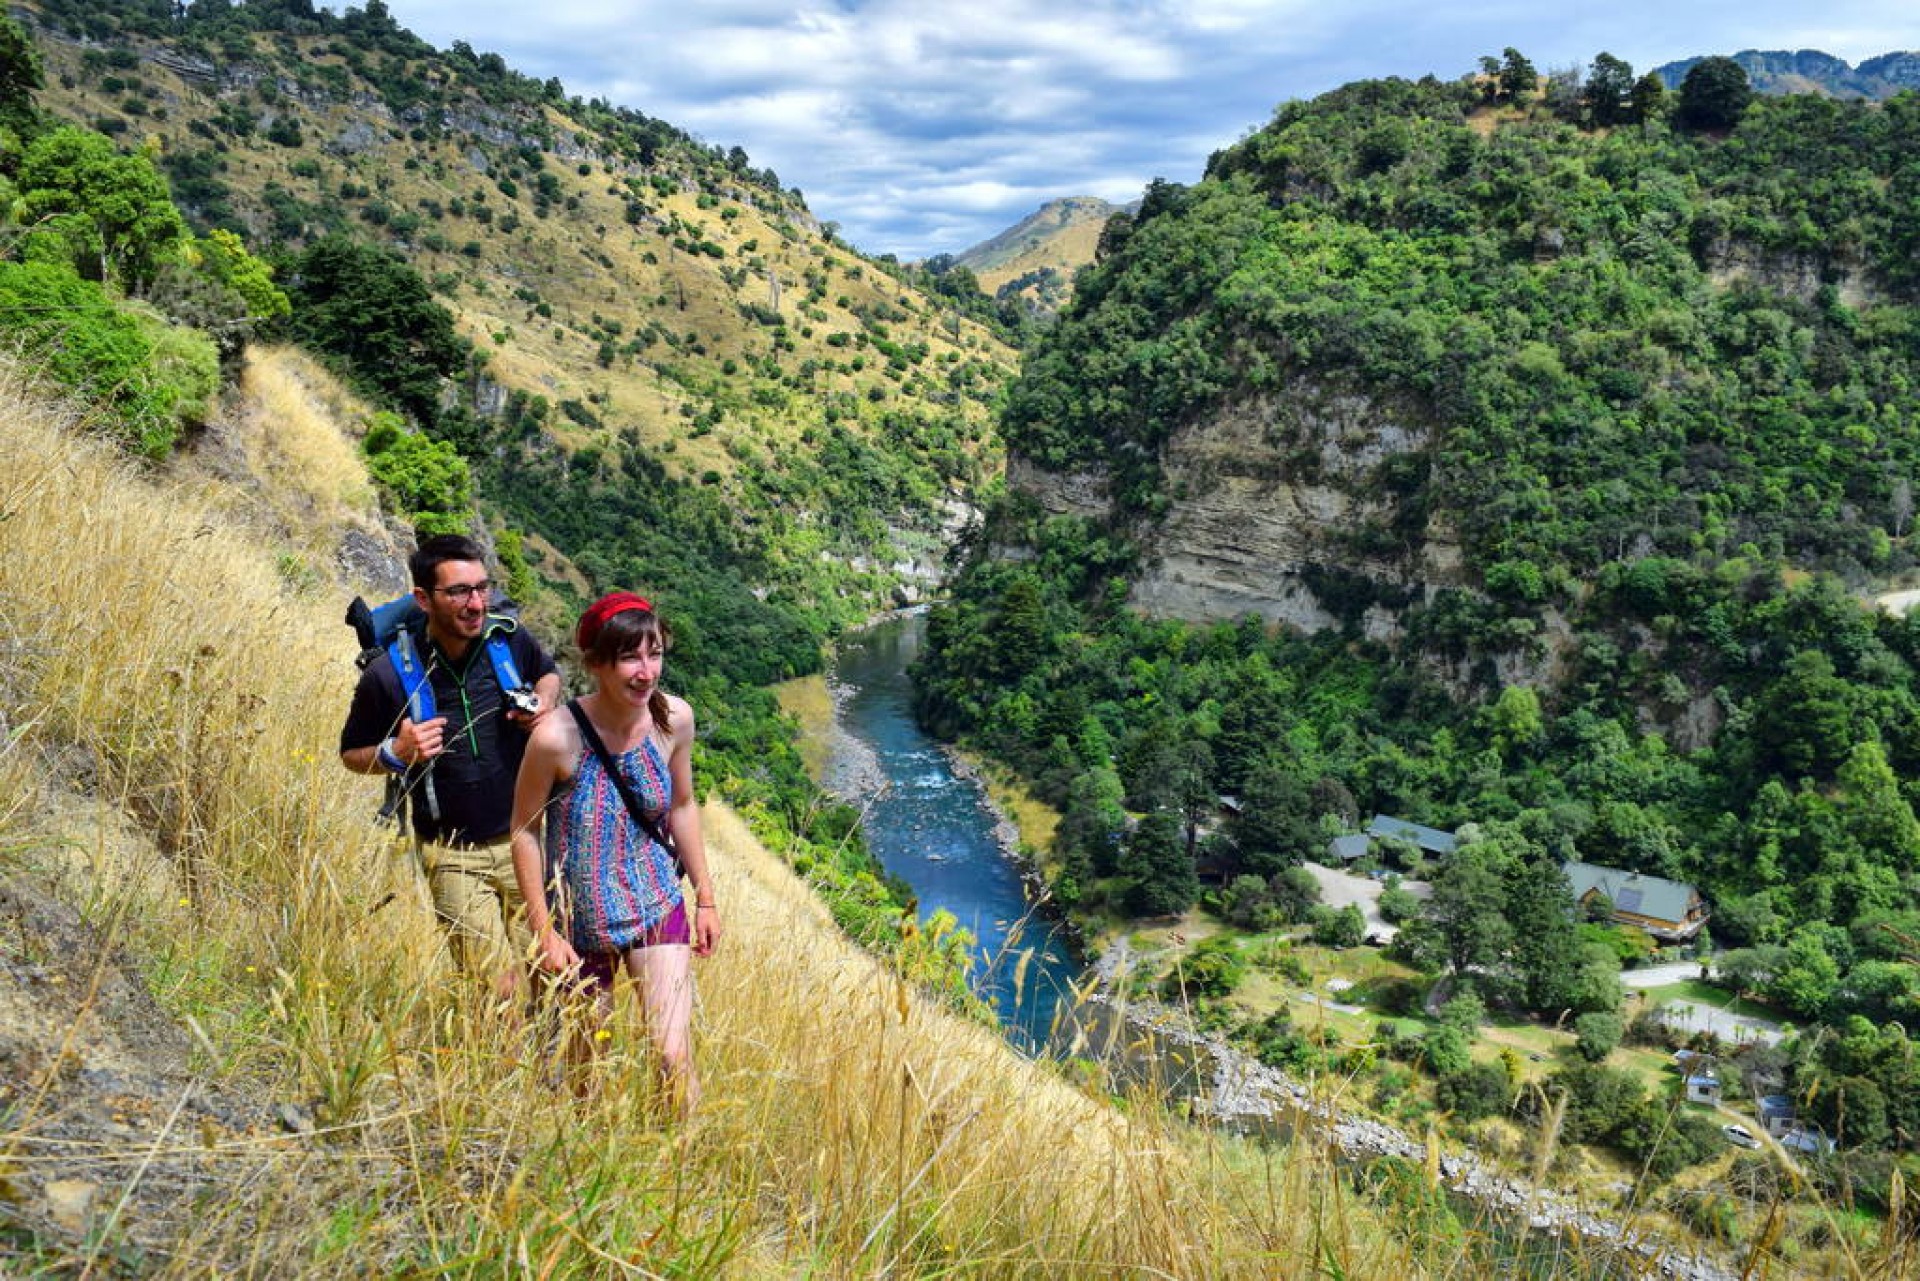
(615, 881)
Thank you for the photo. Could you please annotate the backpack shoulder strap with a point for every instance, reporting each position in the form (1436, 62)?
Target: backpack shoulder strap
(405, 653)
(500, 654)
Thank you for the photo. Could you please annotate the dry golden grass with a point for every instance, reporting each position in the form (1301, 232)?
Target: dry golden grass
(848, 1128)
(288, 423)
(810, 703)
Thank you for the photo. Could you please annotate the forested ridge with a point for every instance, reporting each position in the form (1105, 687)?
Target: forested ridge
(1650, 361)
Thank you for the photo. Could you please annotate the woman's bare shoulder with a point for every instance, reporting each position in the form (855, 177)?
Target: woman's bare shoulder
(556, 737)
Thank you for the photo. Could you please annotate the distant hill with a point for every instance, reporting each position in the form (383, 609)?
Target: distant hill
(1036, 258)
(1811, 71)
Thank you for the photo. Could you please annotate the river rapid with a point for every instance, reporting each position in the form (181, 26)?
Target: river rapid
(930, 823)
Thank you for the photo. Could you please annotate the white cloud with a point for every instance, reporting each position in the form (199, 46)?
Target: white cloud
(922, 126)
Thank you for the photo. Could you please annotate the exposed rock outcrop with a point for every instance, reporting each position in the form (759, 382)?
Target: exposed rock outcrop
(1266, 493)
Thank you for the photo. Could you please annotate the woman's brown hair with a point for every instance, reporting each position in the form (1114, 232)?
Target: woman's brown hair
(628, 632)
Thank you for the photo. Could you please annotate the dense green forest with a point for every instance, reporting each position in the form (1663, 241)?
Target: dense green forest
(1661, 354)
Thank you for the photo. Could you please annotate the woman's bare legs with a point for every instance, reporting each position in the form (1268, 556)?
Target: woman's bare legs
(665, 978)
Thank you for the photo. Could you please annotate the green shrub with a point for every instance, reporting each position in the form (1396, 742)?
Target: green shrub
(148, 378)
(427, 478)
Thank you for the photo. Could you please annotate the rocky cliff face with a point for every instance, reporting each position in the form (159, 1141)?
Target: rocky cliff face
(1269, 496)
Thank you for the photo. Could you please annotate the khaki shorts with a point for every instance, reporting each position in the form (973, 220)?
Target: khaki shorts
(477, 899)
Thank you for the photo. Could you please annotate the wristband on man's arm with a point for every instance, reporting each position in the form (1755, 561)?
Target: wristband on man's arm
(390, 758)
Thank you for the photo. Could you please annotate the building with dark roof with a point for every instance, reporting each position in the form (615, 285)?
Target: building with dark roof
(1671, 911)
(1345, 849)
(1430, 839)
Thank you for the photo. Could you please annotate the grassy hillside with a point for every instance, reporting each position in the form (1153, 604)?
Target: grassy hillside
(629, 295)
(232, 1044)
(1034, 261)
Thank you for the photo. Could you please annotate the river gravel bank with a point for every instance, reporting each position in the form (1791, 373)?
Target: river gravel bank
(1241, 1090)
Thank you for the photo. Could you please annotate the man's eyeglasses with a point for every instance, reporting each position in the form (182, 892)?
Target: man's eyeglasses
(461, 593)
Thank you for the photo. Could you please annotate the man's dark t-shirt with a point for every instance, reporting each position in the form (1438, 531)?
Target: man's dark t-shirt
(474, 774)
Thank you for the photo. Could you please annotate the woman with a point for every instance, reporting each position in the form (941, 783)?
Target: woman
(605, 871)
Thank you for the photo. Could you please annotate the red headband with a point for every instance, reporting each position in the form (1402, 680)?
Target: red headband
(603, 609)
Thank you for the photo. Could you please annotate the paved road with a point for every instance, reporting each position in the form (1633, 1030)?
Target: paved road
(1693, 1016)
(1897, 603)
(1661, 975)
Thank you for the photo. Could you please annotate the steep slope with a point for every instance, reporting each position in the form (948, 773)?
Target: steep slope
(633, 299)
(1351, 351)
(232, 1045)
(1572, 459)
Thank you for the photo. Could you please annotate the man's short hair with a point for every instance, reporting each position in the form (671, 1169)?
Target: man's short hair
(426, 560)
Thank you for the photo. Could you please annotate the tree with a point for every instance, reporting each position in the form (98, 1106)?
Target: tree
(1398, 903)
(1273, 829)
(1489, 79)
(1020, 632)
(1214, 968)
(1479, 1090)
(1595, 1035)
(1608, 90)
(112, 210)
(1649, 100)
(1518, 79)
(1339, 927)
(1465, 1011)
(1545, 934)
(427, 477)
(1807, 981)
(1852, 1110)
(1805, 724)
(1193, 788)
(1155, 857)
(20, 79)
(1295, 892)
(1595, 986)
(1564, 95)
(1874, 811)
(1468, 909)
(1093, 821)
(368, 307)
(1447, 1051)
(1515, 720)
(1714, 94)
(1247, 901)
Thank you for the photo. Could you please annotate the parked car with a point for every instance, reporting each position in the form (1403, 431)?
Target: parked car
(1740, 1136)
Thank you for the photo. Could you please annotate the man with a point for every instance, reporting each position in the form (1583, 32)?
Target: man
(461, 764)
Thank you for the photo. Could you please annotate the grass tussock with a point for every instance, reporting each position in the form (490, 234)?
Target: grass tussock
(170, 713)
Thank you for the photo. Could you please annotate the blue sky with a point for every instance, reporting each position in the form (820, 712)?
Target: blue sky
(923, 127)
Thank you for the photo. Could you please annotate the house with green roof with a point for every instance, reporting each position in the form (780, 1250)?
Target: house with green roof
(1430, 840)
(1671, 911)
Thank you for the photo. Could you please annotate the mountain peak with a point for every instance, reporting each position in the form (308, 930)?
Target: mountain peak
(1035, 259)
(1814, 71)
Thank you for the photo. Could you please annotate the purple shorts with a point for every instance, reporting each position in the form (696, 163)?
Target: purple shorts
(598, 968)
